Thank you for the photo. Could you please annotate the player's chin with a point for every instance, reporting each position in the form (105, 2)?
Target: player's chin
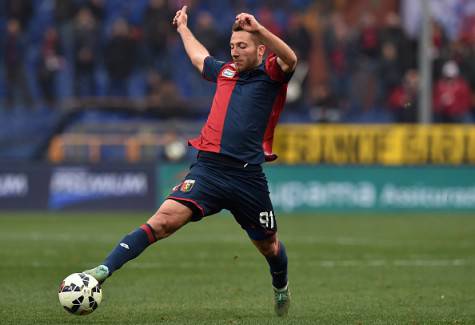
(239, 66)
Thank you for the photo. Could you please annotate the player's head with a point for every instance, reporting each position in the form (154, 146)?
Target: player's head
(246, 49)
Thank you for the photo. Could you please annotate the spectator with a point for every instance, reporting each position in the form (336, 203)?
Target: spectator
(85, 52)
(119, 58)
(300, 40)
(403, 99)
(452, 96)
(365, 85)
(163, 96)
(154, 87)
(157, 28)
(51, 62)
(464, 54)
(393, 33)
(468, 67)
(98, 9)
(440, 49)
(325, 106)
(64, 12)
(391, 68)
(207, 32)
(467, 34)
(21, 10)
(340, 56)
(369, 38)
(298, 37)
(14, 49)
(362, 63)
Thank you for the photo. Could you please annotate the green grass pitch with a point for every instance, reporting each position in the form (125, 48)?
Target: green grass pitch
(409, 269)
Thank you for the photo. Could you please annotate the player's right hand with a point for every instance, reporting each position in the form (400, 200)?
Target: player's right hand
(248, 22)
(181, 18)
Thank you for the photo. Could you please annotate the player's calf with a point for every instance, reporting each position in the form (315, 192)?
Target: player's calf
(128, 248)
(170, 217)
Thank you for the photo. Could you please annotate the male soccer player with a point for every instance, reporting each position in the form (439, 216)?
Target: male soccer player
(234, 142)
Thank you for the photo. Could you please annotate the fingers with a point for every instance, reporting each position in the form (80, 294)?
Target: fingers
(180, 12)
(174, 19)
(244, 16)
(245, 19)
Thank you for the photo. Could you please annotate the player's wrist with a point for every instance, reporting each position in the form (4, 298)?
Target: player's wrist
(181, 28)
(260, 28)
(260, 32)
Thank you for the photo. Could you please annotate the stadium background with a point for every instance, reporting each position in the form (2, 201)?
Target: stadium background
(97, 99)
(90, 86)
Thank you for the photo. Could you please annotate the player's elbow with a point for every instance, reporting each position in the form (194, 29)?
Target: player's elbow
(290, 63)
(293, 60)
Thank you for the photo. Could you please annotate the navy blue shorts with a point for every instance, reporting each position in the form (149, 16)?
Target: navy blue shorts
(217, 182)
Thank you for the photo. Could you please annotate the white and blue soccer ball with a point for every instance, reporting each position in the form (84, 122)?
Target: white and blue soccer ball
(80, 294)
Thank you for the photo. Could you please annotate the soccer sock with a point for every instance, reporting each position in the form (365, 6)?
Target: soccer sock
(278, 267)
(131, 246)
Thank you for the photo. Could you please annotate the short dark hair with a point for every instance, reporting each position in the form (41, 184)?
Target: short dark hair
(236, 27)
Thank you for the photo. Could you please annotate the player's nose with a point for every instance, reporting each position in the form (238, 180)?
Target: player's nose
(234, 52)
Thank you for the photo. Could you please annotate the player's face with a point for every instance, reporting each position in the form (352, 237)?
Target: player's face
(246, 53)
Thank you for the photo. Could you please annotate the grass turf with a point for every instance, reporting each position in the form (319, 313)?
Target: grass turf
(408, 269)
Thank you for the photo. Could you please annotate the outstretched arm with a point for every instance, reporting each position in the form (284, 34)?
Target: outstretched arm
(286, 57)
(194, 49)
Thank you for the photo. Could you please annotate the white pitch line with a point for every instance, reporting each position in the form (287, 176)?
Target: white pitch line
(238, 238)
(249, 263)
(326, 263)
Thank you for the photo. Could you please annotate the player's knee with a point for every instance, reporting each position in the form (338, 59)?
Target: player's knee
(161, 224)
(269, 247)
(169, 218)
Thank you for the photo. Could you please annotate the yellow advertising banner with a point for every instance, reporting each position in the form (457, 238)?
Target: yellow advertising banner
(342, 144)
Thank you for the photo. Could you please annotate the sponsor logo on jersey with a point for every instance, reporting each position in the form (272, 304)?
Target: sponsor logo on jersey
(228, 73)
(187, 185)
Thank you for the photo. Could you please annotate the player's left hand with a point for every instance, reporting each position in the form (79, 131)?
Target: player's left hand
(270, 157)
(181, 18)
(248, 22)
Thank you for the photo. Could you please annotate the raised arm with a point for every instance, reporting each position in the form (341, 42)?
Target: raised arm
(194, 49)
(286, 57)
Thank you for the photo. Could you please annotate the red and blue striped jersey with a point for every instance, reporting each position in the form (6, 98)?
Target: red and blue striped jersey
(245, 109)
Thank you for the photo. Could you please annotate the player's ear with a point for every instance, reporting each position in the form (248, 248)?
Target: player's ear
(261, 49)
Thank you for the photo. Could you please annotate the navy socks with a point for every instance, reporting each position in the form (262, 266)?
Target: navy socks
(131, 246)
(278, 267)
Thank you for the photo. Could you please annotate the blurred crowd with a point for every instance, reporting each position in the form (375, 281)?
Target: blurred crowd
(356, 62)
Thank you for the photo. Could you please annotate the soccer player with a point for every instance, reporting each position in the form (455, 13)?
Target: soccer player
(234, 142)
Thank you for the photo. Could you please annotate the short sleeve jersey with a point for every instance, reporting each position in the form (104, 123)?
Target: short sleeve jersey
(245, 109)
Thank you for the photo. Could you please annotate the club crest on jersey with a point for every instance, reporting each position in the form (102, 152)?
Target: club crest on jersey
(187, 185)
(228, 73)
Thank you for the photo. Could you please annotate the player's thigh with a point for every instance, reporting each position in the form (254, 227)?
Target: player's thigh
(252, 208)
(170, 217)
(202, 190)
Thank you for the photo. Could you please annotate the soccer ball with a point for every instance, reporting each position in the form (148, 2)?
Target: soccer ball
(80, 294)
